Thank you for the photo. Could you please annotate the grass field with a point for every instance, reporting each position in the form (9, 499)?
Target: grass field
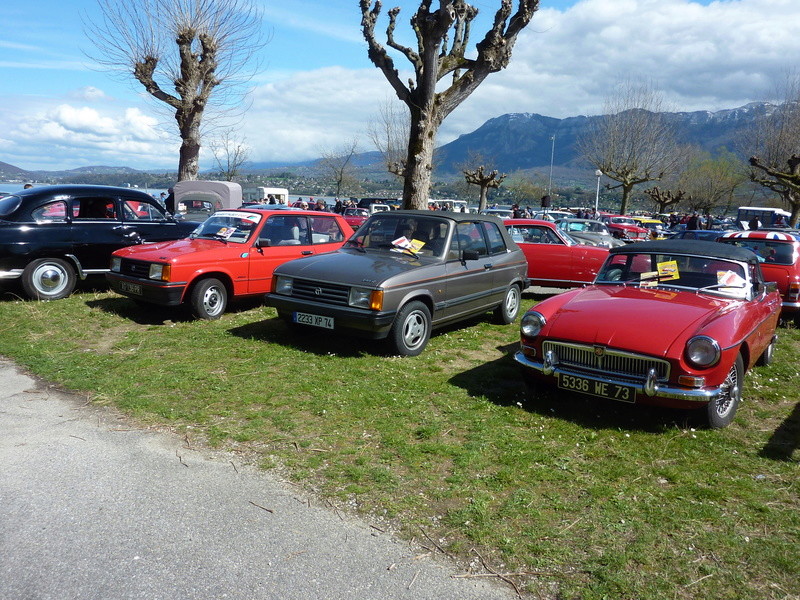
(564, 496)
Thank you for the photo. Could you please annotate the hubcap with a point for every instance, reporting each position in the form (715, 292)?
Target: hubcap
(212, 301)
(49, 279)
(414, 330)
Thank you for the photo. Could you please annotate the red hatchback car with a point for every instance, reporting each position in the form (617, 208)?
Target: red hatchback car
(780, 255)
(231, 255)
(554, 258)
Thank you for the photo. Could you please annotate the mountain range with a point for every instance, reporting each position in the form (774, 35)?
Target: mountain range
(509, 143)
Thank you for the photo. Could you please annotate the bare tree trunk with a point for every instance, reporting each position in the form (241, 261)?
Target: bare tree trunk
(419, 163)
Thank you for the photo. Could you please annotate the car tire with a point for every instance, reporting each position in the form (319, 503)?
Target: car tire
(509, 309)
(766, 356)
(48, 279)
(411, 330)
(209, 298)
(722, 410)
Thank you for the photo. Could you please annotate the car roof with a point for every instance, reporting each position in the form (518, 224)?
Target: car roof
(550, 224)
(74, 189)
(759, 234)
(444, 214)
(692, 247)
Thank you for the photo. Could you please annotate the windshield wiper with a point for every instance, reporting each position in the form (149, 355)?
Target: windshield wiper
(357, 245)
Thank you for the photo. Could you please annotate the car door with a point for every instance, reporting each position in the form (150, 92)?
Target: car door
(280, 239)
(549, 258)
(146, 221)
(97, 230)
(470, 280)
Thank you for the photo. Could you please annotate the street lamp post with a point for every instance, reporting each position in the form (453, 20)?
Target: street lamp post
(552, 153)
(597, 174)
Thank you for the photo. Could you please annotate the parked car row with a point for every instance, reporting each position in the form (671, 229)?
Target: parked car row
(674, 322)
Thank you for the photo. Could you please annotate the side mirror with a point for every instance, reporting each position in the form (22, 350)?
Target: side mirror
(470, 255)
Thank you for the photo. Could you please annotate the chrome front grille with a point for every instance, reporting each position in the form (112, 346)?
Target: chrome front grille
(599, 359)
(328, 293)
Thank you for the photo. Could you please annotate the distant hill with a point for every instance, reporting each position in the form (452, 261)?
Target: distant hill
(509, 142)
(524, 141)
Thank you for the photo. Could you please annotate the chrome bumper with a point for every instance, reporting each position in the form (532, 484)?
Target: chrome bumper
(12, 274)
(649, 388)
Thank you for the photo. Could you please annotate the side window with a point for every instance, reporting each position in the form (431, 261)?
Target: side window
(325, 230)
(497, 245)
(468, 237)
(93, 208)
(133, 210)
(280, 230)
(52, 212)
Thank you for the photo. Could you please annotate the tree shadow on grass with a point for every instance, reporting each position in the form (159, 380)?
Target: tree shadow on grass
(501, 382)
(785, 439)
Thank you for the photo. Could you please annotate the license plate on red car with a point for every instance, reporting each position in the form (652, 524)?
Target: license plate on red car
(603, 389)
(131, 288)
(313, 320)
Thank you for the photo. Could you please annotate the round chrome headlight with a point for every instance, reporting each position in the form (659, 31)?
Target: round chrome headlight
(702, 351)
(532, 323)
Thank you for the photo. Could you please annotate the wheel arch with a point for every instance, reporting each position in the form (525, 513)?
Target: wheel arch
(226, 280)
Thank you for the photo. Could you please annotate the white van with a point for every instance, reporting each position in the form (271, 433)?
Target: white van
(260, 194)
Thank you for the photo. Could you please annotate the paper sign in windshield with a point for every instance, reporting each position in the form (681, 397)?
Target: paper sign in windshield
(668, 270)
(403, 244)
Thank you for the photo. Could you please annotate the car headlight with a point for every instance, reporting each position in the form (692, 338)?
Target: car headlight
(532, 323)
(283, 285)
(365, 298)
(159, 272)
(116, 264)
(702, 351)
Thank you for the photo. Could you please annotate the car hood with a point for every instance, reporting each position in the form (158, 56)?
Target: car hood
(169, 251)
(648, 321)
(351, 267)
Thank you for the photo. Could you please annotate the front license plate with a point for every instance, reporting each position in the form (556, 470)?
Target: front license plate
(131, 288)
(612, 391)
(313, 320)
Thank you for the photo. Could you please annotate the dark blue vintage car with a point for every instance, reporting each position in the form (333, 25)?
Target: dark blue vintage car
(51, 235)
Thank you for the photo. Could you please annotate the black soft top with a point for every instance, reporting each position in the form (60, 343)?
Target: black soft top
(690, 247)
(443, 214)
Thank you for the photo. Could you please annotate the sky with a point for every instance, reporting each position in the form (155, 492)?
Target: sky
(316, 90)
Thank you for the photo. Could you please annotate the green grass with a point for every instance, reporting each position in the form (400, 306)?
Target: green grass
(588, 499)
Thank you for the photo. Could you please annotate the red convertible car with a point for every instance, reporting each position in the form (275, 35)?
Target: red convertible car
(675, 323)
(554, 258)
(231, 255)
(780, 255)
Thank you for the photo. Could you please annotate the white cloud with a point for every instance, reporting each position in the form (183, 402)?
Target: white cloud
(704, 57)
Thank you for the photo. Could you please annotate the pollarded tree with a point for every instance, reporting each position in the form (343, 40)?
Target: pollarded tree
(774, 149)
(633, 142)
(485, 181)
(434, 59)
(202, 50)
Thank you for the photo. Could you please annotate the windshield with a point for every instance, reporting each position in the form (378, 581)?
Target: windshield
(8, 204)
(623, 221)
(696, 273)
(229, 226)
(408, 234)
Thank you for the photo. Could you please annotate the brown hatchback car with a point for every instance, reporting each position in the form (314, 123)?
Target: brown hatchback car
(402, 274)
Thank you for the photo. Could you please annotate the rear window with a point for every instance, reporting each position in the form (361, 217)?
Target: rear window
(8, 204)
(768, 251)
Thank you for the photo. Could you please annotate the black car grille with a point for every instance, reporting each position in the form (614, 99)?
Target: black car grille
(601, 360)
(327, 293)
(135, 268)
